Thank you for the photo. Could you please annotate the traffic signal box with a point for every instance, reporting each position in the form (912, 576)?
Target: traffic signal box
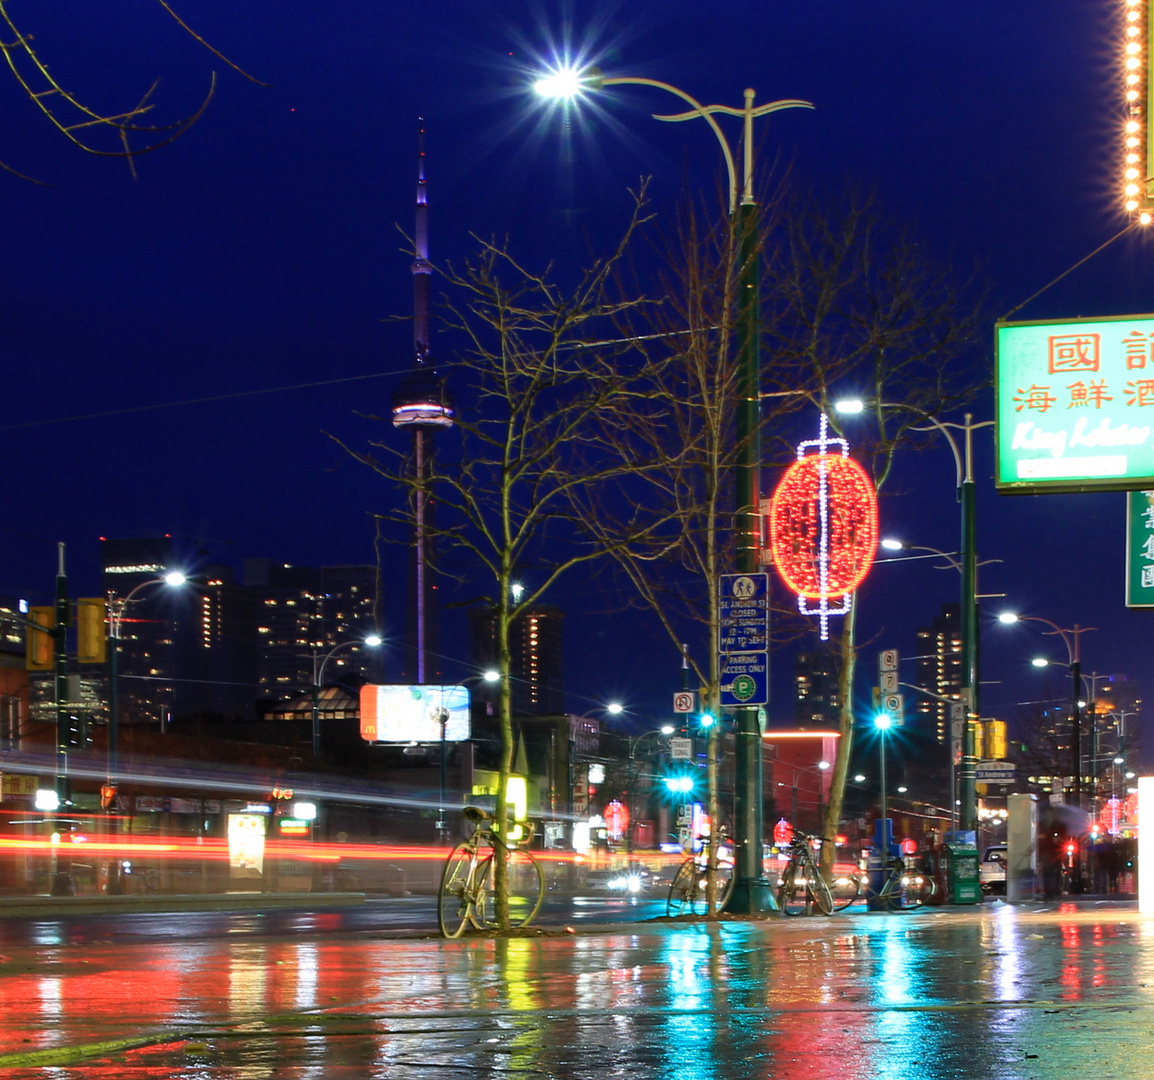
(91, 634)
(40, 654)
(91, 630)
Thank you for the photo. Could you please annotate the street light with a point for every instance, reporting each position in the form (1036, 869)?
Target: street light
(968, 565)
(319, 664)
(1071, 638)
(751, 891)
(117, 608)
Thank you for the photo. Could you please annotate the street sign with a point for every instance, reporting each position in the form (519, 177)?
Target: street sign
(681, 749)
(894, 704)
(745, 679)
(1140, 549)
(888, 682)
(996, 772)
(888, 660)
(744, 613)
(684, 701)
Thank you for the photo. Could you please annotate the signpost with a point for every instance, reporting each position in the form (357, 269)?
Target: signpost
(743, 639)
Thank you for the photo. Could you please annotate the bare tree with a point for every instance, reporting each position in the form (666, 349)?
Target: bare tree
(84, 126)
(541, 371)
(863, 309)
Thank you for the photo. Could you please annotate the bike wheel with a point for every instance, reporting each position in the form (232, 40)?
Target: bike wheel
(683, 891)
(844, 890)
(916, 888)
(455, 894)
(725, 880)
(819, 892)
(526, 890)
(793, 894)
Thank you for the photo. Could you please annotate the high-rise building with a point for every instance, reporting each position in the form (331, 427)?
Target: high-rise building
(156, 631)
(302, 613)
(535, 661)
(939, 670)
(818, 698)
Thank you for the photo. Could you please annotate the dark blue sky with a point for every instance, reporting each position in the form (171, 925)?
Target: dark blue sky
(260, 251)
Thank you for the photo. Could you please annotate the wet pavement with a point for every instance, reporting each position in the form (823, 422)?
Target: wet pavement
(1045, 991)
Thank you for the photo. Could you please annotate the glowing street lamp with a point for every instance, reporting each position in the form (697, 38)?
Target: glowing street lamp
(319, 663)
(751, 891)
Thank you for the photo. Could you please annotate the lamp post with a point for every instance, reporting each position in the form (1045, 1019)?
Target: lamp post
(1072, 639)
(968, 565)
(635, 775)
(319, 664)
(751, 892)
(117, 609)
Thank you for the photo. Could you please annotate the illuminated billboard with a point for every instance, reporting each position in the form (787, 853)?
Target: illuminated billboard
(1075, 405)
(402, 713)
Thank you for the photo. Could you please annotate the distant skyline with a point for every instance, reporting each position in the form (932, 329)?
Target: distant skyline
(264, 250)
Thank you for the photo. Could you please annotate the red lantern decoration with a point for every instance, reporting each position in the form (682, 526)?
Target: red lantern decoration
(782, 833)
(616, 819)
(823, 526)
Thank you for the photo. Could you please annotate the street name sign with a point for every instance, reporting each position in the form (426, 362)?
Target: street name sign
(681, 749)
(995, 772)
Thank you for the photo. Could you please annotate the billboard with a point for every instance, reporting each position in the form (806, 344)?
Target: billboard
(1075, 405)
(1140, 549)
(399, 712)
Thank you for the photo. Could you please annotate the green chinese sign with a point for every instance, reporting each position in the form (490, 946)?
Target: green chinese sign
(1075, 405)
(1140, 549)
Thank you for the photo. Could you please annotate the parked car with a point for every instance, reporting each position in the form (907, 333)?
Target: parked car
(992, 870)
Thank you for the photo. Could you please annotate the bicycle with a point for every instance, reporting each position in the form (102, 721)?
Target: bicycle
(689, 889)
(804, 888)
(466, 881)
(903, 889)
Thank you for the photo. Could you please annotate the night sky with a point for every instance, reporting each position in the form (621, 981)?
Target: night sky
(261, 251)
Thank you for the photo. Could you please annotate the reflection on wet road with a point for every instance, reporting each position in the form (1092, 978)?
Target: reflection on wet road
(997, 992)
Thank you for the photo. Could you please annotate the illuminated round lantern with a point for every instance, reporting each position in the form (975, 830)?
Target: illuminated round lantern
(616, 819)
(823, 526)
(782, 833)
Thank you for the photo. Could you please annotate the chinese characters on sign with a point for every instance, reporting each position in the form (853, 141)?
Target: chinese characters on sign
(1075, 406)
(1140, 549)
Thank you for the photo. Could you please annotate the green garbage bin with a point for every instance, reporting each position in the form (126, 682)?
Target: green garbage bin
(965, 887)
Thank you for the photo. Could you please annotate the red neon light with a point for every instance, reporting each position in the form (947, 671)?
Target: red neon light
(795, 532)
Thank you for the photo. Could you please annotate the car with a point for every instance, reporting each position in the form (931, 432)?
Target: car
(992, 870)
(626, 880)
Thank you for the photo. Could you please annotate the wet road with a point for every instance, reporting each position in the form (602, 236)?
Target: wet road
(992, 992)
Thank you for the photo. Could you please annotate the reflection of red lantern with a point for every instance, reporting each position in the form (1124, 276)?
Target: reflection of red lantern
(782, 833)
(909, 846)
(616, 819)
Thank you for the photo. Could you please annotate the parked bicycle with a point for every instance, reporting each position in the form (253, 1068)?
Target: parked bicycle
(464, 897)
(804, 889)
(688, 894)
(903, 888)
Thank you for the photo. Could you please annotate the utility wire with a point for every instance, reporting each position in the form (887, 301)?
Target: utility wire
(1071, 270)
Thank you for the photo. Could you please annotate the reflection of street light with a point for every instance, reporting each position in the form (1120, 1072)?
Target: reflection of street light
(319, 665)
(751, 892)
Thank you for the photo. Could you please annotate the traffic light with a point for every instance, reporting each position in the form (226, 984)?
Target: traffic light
(107, 795)
(40, 641)
(91, 630)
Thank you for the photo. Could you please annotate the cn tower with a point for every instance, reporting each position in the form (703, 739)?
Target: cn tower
(421, 405)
